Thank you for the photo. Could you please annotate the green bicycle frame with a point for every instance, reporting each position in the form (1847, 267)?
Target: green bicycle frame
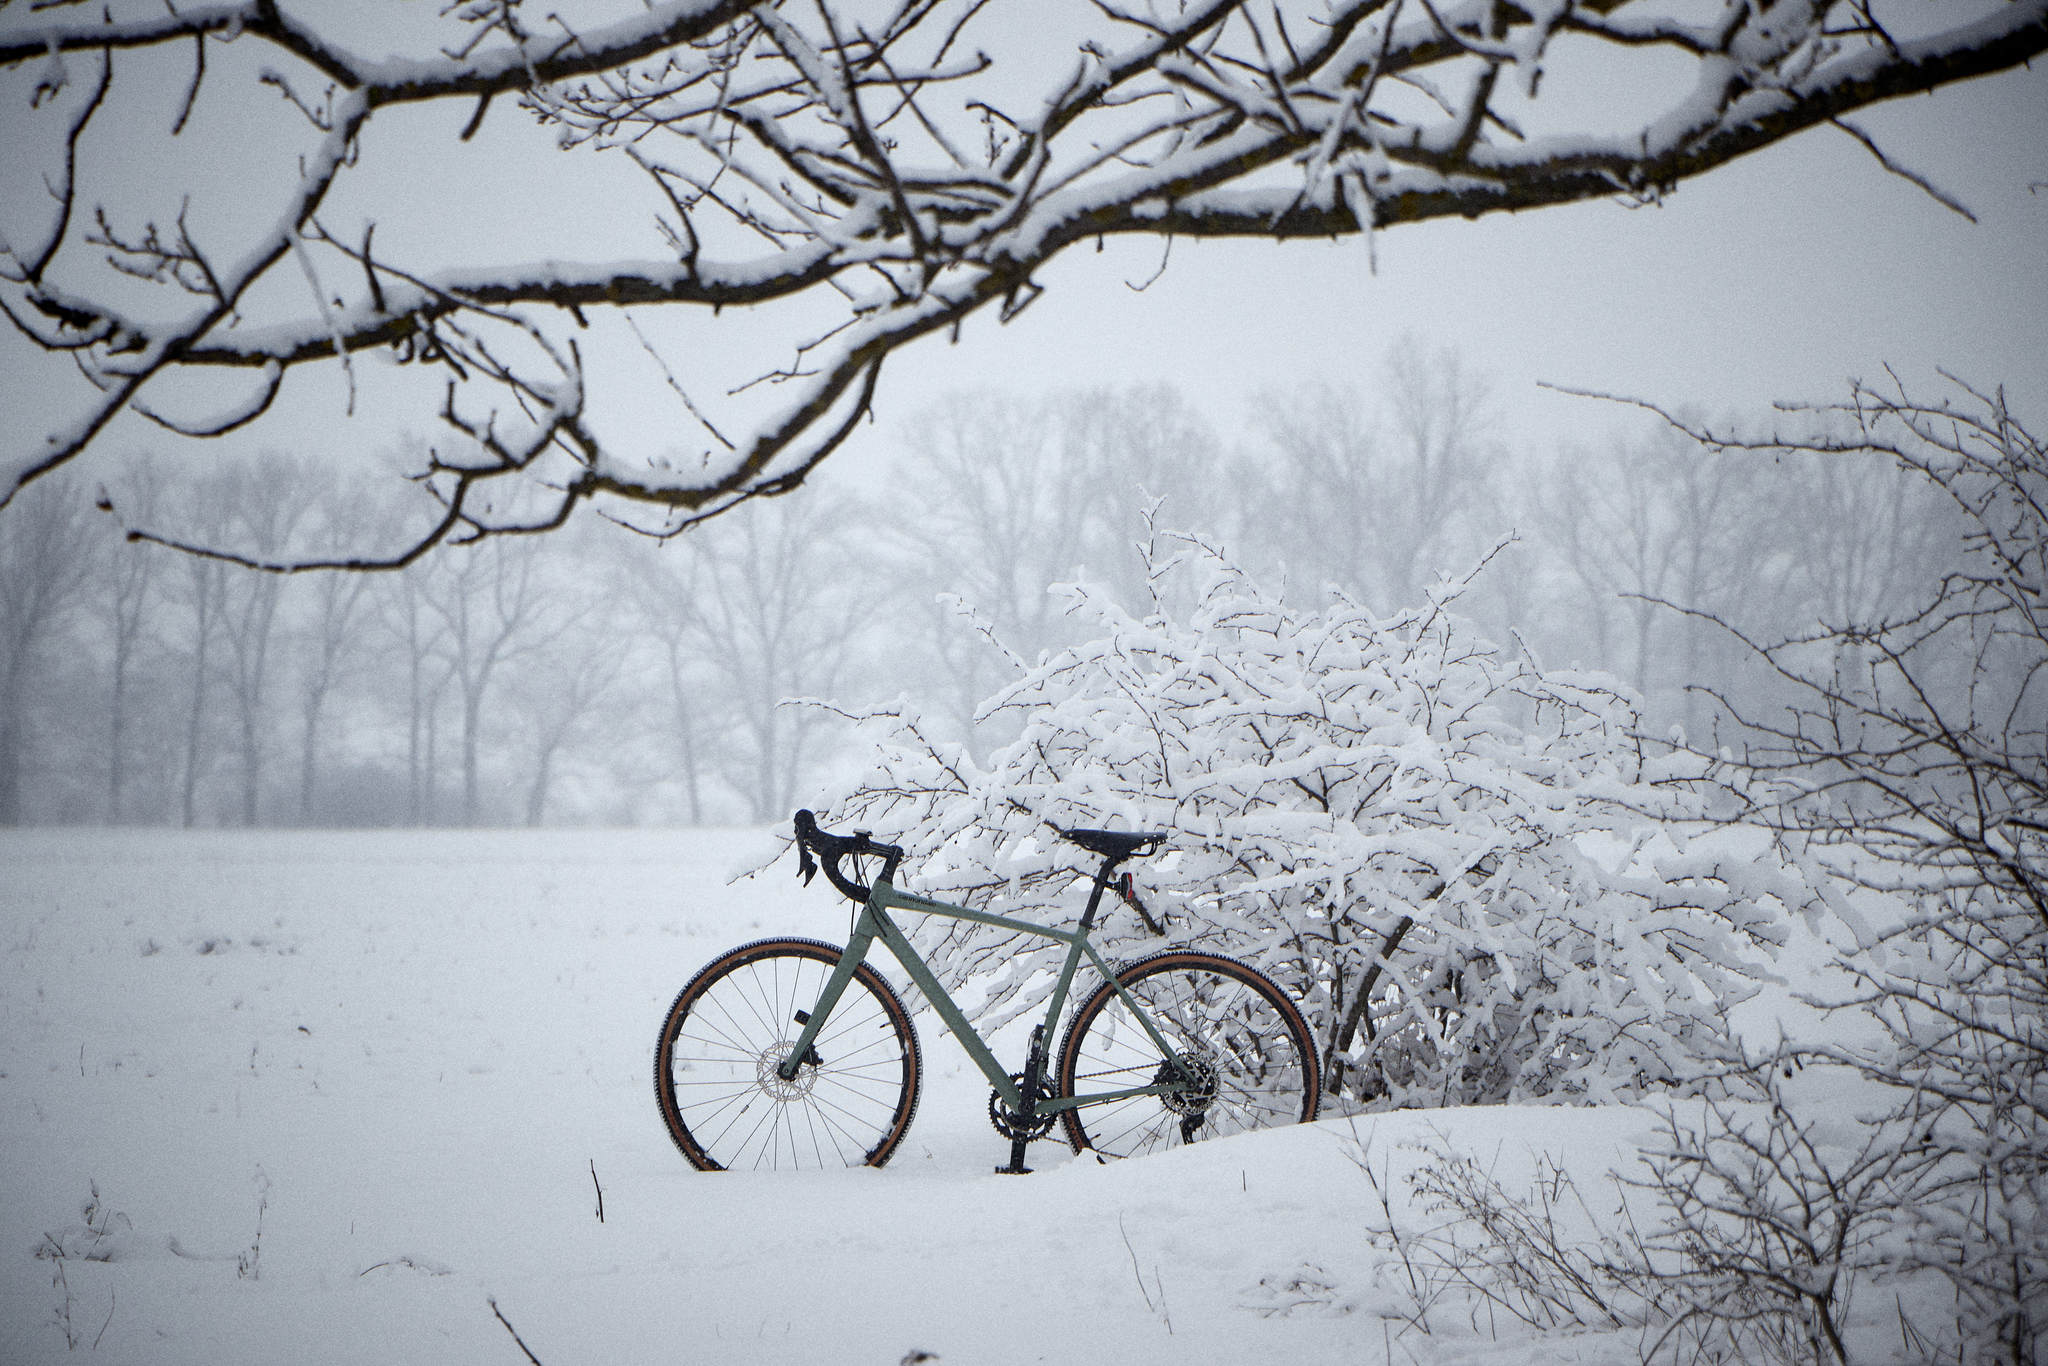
(874, 923)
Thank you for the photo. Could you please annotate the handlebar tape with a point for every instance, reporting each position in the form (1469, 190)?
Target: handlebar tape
(831, 848)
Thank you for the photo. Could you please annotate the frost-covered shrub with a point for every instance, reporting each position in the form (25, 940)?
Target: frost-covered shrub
(1440, 847)
(1912, 763)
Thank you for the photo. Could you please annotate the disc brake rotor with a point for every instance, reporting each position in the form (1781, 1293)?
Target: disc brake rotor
(768, 1072)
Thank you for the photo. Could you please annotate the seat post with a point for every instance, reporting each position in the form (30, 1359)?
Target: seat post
(1114, 846)
(1102, 878)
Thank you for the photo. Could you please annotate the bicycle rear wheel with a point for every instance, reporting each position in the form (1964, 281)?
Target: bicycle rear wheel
(715, 1066)
(1237, 1030)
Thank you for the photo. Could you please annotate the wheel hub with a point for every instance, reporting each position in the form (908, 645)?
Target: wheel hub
(768, 1071)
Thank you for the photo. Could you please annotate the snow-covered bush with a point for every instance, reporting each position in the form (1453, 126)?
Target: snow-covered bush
(1912, 762)
(1444, 850)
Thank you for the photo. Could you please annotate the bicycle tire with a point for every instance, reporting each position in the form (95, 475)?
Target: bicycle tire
(715, 1061)
(1230, 1017)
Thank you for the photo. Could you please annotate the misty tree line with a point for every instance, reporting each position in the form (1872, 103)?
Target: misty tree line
(599, 676)
(148, 685)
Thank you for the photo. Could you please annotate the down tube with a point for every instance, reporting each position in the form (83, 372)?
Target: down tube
(885, 896)
(953, 1017)
(935, 992)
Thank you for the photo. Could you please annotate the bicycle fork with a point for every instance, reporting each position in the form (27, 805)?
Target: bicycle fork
(811, 1022)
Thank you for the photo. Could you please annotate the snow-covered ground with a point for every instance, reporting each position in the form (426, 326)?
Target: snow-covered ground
(332, 1097)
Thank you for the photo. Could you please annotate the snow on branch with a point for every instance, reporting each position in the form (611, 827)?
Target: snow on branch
(853, 174)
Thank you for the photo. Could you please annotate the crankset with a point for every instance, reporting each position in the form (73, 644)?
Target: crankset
(1015, 1125)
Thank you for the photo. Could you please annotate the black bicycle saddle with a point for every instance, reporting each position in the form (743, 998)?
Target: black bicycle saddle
(1117, 844)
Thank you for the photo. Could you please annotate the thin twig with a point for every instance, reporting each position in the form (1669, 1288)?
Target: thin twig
(1140, 1275)
(109, 1319)
(514, 1332)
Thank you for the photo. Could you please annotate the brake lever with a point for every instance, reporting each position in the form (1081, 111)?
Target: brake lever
(806, 867)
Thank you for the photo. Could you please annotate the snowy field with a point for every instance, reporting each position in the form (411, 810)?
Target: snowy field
(332, 1096)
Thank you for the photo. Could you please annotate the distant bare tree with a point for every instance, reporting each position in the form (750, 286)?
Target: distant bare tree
(852, 175)
(1865, 538)
(667, 597)
(1003, 513)
(1379, 486)
(1443, 422)
(558, 684)
(555, 692)
(46, 559)
(1018, 494)
(492, 605)
(1782, 540)
(201, 589)
(775, 617)
(334, 610)
(1642, 521)
(230, 617)
(128, 593)
(408, 625)
(263, 513)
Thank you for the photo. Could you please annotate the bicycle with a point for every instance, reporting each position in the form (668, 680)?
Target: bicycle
(797, 1053)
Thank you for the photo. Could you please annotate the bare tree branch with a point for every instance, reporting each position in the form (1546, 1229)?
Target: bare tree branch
(859, 169)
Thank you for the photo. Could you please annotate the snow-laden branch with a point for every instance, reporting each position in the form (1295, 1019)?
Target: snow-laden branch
(862, 168)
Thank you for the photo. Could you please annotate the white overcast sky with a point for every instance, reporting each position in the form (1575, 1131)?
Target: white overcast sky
(1781, 276)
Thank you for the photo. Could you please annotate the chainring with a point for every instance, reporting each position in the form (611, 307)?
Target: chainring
(1014, 1126)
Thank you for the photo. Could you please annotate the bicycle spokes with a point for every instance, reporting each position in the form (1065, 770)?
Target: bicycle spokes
(719, 1069)
(1239, 1056)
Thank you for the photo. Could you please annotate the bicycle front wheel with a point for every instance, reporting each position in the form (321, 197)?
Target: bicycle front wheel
(717, 1065)
(1225, 1023)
